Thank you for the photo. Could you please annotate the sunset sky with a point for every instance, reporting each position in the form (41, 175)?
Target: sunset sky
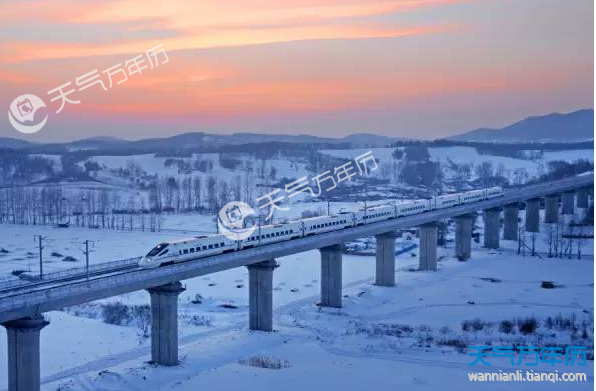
(407, 68)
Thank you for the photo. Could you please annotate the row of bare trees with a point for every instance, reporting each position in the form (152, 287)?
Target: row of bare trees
(197, 194)
(109, 208)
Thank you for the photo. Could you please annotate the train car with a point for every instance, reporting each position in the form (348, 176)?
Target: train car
(472, 196)
(322, 224)
(272, 233)
(446, 201)
(188, 248)
(413, 207)
(378, 213)
(493, 192)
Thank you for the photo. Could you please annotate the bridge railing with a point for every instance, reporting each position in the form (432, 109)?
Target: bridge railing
(36, 297)
(71, 272)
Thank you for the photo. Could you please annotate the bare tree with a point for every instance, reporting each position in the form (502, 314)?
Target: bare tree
(197, 185)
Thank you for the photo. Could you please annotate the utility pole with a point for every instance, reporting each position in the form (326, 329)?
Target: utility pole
(40, 240)
(328, 208)
(260, 228)
(86, 252)
(519, 239)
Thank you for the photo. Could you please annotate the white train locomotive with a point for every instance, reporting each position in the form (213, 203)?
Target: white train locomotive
(203, 246)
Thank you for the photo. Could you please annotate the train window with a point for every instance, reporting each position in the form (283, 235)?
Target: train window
(210, 246)
(204, 247)
(157, 249)
(216, 245)
(198, 248)
(179, 252)
(185, 251)
(192, 250)
(222, 244)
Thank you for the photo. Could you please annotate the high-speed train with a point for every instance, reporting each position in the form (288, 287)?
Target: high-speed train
(203, 246)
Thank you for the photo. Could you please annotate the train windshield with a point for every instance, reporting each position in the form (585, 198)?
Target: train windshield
(157, 249)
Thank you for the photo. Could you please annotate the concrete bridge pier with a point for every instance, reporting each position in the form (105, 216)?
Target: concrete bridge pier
(260, 295)
(583, 198)
(164, 323)
(385, 266)
(463, 237)
(23, 353)
(491, 228)
(551, 209)
(428, 246)
(533, 215)
(331, 276)
(568, 203)
(511, 219)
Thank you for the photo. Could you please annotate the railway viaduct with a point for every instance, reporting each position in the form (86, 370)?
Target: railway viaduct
(22, 305)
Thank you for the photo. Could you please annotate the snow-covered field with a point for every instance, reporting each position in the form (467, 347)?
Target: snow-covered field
(469, 155)
(153, 165)
(406, 337)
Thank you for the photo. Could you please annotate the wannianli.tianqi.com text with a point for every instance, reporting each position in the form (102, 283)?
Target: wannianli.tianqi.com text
(520, 375)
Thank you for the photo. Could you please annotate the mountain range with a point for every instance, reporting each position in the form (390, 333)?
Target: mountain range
(196, 140)
(555, 127)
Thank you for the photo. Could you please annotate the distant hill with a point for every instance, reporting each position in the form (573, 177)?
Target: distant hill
(569, 127)
(193, 140)
(14, 143)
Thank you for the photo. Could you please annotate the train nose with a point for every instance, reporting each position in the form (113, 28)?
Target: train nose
(146, 262)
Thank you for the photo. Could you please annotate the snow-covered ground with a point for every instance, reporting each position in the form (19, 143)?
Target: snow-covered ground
(470, 156)
(407, 337)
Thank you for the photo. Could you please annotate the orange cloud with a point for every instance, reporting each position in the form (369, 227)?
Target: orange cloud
(226, 14)
(221, 14)
(211, 39)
